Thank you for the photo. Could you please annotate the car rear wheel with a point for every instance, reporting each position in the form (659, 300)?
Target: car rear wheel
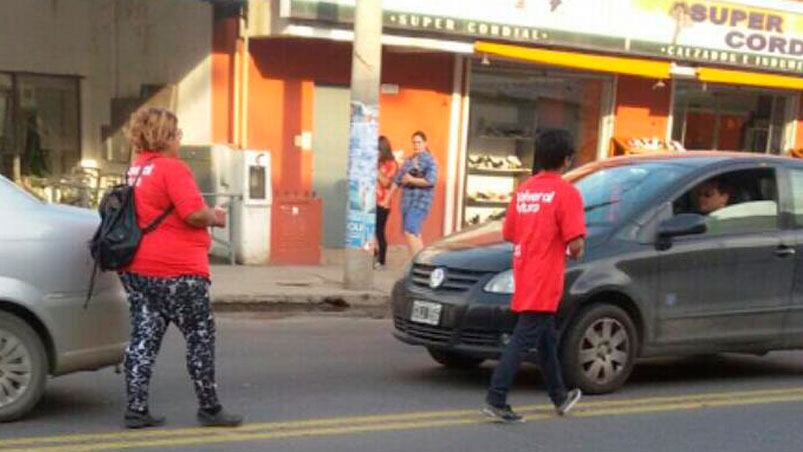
(23, 367)
(599, 349)
(454, 360)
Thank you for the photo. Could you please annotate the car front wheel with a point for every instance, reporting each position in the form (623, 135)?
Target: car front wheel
(599, 349)
(454, 360)
(23, 367)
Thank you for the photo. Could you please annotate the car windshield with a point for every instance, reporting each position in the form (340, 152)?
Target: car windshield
(613, 193)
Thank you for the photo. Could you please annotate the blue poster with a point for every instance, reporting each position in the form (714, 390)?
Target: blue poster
(361, 212)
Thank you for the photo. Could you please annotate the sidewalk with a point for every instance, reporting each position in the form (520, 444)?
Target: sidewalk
(302, 288)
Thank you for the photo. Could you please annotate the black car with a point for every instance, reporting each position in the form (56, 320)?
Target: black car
(659, 277)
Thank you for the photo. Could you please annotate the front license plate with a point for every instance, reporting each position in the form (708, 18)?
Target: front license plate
(426, 312)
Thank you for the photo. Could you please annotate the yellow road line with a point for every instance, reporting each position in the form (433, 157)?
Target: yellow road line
(401, 421)
(332, 431)
(240, 437)
(387, 417)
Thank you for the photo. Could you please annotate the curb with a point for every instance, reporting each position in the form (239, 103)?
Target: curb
(375, 305)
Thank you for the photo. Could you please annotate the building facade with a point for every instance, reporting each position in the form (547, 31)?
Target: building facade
(623, 76)
(71, 72)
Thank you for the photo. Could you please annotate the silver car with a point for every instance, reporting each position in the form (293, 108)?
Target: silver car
(44, 275)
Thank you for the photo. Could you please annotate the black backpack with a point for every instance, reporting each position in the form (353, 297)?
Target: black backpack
(117, 238)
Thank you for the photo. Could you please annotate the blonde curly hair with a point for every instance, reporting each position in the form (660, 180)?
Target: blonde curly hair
(152, 129)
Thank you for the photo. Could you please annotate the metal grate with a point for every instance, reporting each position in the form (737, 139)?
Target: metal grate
(427, 332)
(480, 338)
(457, 280)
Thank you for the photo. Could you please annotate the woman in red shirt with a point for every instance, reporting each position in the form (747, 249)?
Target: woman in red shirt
(168, 279)
(387, 170)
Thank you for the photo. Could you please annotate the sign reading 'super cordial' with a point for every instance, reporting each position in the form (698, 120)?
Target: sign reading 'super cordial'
(751, 29)
(762, 34)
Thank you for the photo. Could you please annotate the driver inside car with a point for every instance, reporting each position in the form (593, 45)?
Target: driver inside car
(712, 195)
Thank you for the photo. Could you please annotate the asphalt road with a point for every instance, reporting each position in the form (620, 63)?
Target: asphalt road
(311, 384)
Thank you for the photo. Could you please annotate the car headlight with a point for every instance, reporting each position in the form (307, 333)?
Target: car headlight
(501, 283)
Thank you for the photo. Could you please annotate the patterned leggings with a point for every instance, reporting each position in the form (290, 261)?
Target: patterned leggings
(154, 304)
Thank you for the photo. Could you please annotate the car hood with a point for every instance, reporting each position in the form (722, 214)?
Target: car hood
(481, 248)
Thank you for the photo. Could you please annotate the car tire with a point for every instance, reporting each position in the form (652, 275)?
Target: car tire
(599, 349)
(23, 367)
(454, 360)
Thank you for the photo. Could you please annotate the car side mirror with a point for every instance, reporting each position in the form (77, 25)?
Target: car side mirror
(680, 225)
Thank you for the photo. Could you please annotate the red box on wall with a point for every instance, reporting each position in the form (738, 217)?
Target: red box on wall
(296, 223)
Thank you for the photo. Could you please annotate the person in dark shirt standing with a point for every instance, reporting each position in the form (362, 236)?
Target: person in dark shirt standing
(545, 222)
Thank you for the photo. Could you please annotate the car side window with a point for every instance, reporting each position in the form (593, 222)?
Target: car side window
(797, 196)
(735, 202)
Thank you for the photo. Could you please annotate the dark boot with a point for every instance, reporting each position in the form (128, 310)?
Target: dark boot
(218, 418)
(133, 419)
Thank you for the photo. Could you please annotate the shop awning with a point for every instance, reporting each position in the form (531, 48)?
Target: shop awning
(639, 67)
(714, 75)
(577, 60)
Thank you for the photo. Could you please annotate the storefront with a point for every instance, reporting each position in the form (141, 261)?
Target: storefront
(510, 104)
(732, 118)
(623, 76)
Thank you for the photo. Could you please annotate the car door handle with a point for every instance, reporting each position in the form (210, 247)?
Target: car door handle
(784, 251)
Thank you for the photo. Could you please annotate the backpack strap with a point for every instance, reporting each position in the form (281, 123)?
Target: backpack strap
(91, 288)
(153, 224)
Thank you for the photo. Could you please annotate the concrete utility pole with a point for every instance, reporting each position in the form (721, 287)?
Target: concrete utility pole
(366, 60)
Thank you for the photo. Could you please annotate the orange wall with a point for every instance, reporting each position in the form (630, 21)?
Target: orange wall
(700, 130)
(282, 78)
(423, 103)
(282, 75)
(588, 133)
(799, 138)
(641, 111)
(224, 48)
(730, 132)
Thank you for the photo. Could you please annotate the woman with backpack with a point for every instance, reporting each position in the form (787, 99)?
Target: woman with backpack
(168, 279)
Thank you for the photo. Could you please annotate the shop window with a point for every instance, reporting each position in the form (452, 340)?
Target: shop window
(39, 126)
(735, 202)
(732, 119)
(510, 105)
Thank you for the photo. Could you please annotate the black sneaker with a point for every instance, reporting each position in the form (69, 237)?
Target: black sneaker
(133, 419)
(219, 419)
(502, 414)
(572, 397)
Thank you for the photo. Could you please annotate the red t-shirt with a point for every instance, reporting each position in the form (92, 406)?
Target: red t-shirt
(387, 168)
(545, 214)
(174, 248)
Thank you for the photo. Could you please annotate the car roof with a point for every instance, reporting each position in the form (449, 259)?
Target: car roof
(708, 156)
(699, 158)
(689, 159)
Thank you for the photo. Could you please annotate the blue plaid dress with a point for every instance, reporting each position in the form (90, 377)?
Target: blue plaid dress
(418, 198)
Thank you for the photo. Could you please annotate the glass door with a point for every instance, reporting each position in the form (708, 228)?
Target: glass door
(510, 105)
(729, 119)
